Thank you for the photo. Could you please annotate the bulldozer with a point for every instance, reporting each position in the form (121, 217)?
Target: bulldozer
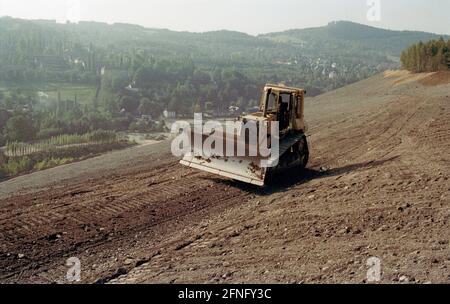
(280, 105)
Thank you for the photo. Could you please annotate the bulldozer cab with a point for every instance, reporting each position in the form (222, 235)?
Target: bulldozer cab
(285, 105)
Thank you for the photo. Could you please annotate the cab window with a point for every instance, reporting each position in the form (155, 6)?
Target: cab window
(272, 103)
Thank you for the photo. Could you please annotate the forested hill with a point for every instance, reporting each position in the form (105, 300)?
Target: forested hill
(76, 78)
(322, 58)
(353, 37)
(62, 83)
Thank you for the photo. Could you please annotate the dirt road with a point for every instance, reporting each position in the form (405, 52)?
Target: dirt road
(377, 187)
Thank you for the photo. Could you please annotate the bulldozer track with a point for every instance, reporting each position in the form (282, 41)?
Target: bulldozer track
(163, 201)
(89, 211)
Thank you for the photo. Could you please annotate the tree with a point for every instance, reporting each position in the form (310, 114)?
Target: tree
(2, 142)
(119, 81)
(427, 57)
(148, 107)
(4, 116)
(129, 104)
(19, 128)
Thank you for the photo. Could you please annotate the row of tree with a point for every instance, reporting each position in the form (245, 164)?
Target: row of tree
(431, 56)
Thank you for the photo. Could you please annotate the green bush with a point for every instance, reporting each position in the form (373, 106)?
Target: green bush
(15, 166)
(141, 126)
(51, 162)
(42, 165)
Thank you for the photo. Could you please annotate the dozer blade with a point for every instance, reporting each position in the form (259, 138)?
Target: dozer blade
(242, 169)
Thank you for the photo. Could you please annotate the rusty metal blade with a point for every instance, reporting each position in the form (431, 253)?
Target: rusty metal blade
(242, 169)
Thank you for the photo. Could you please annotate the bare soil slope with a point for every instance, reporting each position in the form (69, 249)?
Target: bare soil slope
(377, 186)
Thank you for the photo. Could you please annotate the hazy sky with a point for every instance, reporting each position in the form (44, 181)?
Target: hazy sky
(250, 16)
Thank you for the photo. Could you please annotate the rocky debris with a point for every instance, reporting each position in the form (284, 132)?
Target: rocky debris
(227, 275)
(345, 230)
(53, 237)
(404, 207)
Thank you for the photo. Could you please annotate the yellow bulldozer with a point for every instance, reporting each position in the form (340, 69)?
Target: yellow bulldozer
(280, 106)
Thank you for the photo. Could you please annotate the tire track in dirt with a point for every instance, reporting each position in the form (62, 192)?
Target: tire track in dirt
(69, 220)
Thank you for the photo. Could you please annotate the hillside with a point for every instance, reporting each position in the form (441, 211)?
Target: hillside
(377, 186)
(319, 59)
(357, 38)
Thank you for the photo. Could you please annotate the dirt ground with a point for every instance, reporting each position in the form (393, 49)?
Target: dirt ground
(377, 186)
